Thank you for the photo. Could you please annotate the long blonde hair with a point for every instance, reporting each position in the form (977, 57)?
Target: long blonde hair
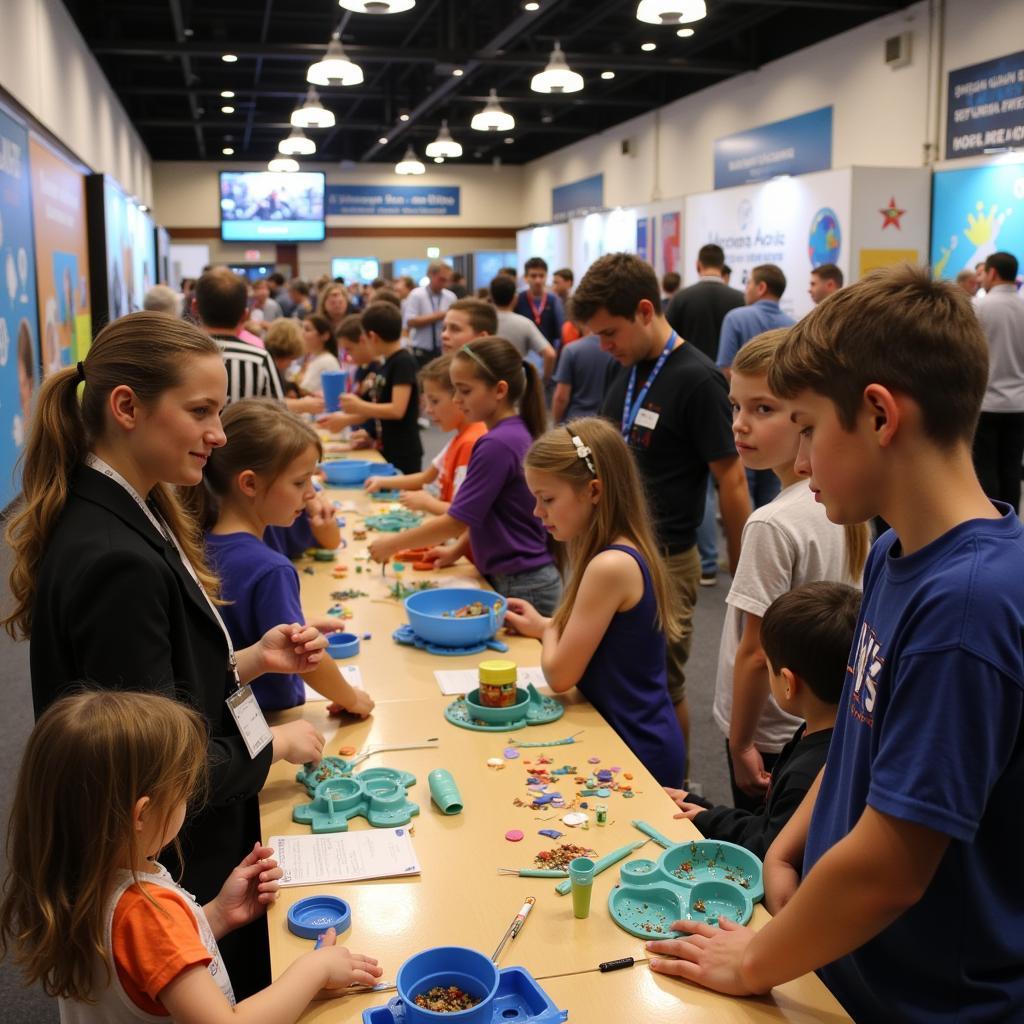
(262, 435)
(621, 510)
(754, 360)
(90, 758)
(144, 351)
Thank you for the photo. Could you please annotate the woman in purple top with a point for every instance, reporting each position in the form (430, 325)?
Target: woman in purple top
(510, 546)
(609, 635)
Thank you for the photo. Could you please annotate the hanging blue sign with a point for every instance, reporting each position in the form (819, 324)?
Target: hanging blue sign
(985, 107)
(577, 198)
(393, 200)
(797, 145)
(19, 322)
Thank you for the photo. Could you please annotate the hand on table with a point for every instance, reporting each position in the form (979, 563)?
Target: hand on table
(712, 957)
(248, 891)
(522, 618)
(373, 484)
(362, 706)
(360, 439)
(418, 501)
(748, 769)
(345, 968)
(383, 548)
(443, 555)
(291, 647)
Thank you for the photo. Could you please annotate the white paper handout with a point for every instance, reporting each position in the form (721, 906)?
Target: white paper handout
(458, 681)
(345, 856)
(351, 674)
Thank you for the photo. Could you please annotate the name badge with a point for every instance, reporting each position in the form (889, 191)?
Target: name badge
(647, 418)
(250, 721)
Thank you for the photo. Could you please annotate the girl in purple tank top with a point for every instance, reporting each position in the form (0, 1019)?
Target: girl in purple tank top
(609, 635)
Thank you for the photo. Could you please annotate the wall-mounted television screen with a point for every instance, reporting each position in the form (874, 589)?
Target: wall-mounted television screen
(356, 268)
(261, 206)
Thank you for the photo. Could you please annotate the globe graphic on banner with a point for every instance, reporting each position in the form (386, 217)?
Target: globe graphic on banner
(825, 238)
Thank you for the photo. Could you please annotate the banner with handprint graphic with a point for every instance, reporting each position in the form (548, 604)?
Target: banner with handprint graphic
(976, 212)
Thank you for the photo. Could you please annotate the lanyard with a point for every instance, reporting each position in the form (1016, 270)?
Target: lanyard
(630, 409)
(537, 310)
(95, 462)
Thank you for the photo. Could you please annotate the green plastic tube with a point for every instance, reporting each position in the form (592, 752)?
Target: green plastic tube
(444, 792)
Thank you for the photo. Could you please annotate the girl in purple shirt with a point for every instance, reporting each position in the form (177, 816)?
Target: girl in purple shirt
(608, 636)
(494, 386)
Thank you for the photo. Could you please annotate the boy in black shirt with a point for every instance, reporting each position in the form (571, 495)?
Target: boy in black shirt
(395, 395)
(806, 634)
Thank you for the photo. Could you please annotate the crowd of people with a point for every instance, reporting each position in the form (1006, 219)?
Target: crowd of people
(869, 687)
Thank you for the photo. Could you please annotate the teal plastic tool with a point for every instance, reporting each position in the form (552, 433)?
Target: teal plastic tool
(444, 792)
(378, 794)
(605, 862)
(534, 872)
(650, 830)
(539, 710)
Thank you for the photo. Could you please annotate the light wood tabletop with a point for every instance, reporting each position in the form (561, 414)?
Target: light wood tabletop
(459, 898)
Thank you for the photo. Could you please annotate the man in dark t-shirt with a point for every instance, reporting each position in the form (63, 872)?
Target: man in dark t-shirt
(672, 406)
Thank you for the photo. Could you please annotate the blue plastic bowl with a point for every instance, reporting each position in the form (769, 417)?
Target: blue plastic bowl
(448, 965)
(353, 472)
(426, 616)
(342, 645)
(311, 917)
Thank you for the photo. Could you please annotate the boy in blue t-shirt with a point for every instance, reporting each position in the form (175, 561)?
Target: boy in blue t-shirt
(899, 877)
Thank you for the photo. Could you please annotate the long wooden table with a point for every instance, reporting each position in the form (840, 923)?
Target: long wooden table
(460, 898)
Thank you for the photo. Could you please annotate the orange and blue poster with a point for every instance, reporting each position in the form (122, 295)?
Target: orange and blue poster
(62, 265)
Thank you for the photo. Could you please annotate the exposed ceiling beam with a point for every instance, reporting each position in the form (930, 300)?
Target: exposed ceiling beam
(186, 68)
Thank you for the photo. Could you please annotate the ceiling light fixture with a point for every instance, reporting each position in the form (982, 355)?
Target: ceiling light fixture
(228, 151)
(229, 58)
(493, 118)
(444, 145)
(227, 110)
(312, 113)
(438, 159)
(458, 72)
(283, 164)
(509, 140)
(383, 140)
(557, 76)
(532, 5)
(685, 33)
(335, 68)
(607, 75)
(647, 47)
(297, 144)
(377, 6)
(410, 163)
(227, 94)
(404, 115)
(670, 12)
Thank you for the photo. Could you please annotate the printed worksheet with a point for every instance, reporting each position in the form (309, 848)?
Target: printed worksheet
(352, 676)
(454, 682)
(345, 856)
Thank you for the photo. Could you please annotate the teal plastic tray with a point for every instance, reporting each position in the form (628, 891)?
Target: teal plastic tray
(378, 794)
(539, 711)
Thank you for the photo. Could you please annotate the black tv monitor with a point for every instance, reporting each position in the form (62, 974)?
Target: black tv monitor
(267, 206)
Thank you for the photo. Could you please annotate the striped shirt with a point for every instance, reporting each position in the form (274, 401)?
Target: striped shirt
(251, 371)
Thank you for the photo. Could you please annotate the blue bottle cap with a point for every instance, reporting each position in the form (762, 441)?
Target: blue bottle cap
(312, 916)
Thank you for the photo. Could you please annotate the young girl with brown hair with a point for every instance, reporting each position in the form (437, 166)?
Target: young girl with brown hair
(262, 477)
(608, 636)
(109, 580)
(494, 386)
(90, 913)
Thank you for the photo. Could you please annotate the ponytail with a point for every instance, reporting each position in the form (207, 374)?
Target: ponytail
(858, 542)
(144, 351)
(497, 359)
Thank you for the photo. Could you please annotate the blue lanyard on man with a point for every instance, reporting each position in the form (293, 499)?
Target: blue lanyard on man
(630, 409)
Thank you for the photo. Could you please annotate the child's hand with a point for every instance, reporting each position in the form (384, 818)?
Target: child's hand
(350, 403)
(383, 548)
(297, 743)
(309, 403)
(363, 704)
(373, 484)
(345, 968)
(360, 439)
(291, 648)
(333, 421)
(688, 811)
(249, 889)
(748, 769)
(678, 795)
(418, 501)
(443, 555)
(714, 959)
(522, 618)
(320, 510)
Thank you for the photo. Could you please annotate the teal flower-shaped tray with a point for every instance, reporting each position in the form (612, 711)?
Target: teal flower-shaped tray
(378, 794)
(540, 710)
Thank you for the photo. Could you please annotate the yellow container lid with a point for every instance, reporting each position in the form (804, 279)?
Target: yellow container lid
(497, 672)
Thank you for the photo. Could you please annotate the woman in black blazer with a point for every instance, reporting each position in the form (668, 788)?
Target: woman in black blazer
(110, 584)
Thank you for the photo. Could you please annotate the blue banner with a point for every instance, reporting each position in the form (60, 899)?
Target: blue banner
(19, 321)
(393, 201)
(985, 107)
(578, 197)
(976, 212)
(797, 145)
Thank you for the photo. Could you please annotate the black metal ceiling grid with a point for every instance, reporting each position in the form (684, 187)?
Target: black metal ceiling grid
(162, 58)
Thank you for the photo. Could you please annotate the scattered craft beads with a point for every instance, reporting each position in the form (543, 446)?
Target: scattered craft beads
(445, 999)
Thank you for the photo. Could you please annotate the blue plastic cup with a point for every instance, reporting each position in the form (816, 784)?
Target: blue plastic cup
(333, 383)
(443, 966)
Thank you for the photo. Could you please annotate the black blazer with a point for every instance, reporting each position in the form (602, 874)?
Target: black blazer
(116, 608)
